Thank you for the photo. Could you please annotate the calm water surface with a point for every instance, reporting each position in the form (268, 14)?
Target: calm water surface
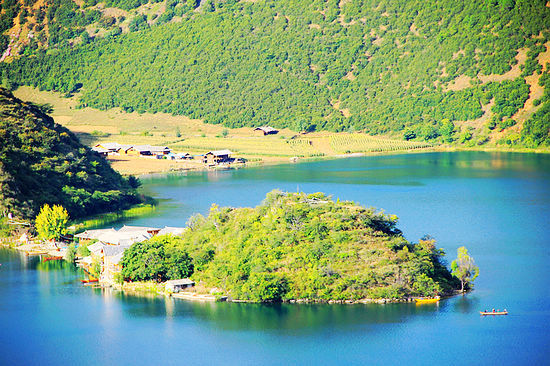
(497, 204)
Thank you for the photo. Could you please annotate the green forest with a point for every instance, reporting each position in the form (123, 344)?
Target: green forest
(296, 246)
(42, 162)
(389, 64)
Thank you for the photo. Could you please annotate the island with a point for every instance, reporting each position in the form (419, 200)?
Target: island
(293, 247)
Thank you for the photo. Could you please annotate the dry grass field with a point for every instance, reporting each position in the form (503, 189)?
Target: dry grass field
(183, 134)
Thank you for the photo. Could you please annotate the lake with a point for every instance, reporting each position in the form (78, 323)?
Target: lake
(496, 204)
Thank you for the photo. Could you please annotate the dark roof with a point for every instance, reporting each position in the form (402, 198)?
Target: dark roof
(266, 129)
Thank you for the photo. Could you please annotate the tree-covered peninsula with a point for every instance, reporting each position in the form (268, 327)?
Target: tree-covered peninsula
(297, 246)
(42, 162)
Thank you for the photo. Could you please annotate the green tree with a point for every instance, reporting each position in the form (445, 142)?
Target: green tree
(51, 222)
(156, 259)
(266, 287)
(70, 255)
(464, 268)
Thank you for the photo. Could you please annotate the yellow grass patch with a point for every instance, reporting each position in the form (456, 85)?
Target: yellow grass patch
(514, 72)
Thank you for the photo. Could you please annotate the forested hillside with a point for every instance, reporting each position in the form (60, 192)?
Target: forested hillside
(300, 246)
(43, 162)
(444, 71)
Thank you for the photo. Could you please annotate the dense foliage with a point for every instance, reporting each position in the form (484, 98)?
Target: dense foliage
(383, 67)
(306, 246)
(157, 260)
(42, 162)
(536, 131)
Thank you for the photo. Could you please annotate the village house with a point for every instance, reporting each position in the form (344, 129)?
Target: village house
(124, 238)
(160, 150)
(179, 156)
(111, 244)
(148, 150)
(150, 230)
(178, 285)
(217, 157)
(139, 150)
(111, 148)
(96, 248)
(101, 151)
(112, 256)
(92, 234)
(266, 130)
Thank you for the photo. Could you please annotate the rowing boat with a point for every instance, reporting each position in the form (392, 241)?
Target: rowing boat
(427, 300)
(51, 259)
(89, 280)
(493, 313)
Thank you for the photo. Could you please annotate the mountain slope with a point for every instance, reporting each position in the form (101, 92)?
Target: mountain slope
(419, 69)
(43, 162)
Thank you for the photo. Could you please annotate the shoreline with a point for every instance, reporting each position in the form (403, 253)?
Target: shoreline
(289, 161)
(155, 289)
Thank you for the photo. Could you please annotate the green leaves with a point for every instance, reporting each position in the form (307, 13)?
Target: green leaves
(51, 222)
(464, 268)
(156, 259)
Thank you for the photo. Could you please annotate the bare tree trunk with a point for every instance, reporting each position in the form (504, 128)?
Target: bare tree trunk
(462, 284)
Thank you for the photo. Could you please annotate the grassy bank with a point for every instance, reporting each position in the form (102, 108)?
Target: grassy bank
(112, 217)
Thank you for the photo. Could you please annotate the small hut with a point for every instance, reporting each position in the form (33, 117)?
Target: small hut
(266, 130)
(217, 157)
(178, 285)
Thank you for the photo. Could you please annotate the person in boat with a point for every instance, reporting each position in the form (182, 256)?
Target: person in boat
(493, 310)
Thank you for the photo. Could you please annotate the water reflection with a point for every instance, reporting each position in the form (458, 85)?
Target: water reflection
(467, 304)
(294, 318)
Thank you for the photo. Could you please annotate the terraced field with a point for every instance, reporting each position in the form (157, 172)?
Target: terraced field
(252, 146)
(358, 143)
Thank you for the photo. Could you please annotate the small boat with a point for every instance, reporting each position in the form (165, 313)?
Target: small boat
(51, 259)
(89, 280)
(483, 313)
(427, 300)
(33, 253)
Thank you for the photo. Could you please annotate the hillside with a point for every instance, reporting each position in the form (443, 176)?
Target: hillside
(43, 162)
(306, 246)
(440, 71)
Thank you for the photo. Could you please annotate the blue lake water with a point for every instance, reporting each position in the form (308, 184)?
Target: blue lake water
(497, 204)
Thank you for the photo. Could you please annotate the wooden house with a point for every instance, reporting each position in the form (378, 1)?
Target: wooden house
(160, 150)
(145, 229)
(217, 157)
(93, 234)
(101, 151)
(139, 150)
(124, 149)
(148, 150)
(178, 285)
(108, 148)
(266, 130)
(179, 156)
